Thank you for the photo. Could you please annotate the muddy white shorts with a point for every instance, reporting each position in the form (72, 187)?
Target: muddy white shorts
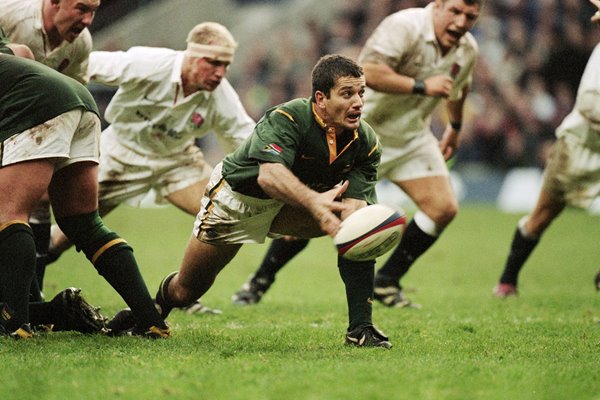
(419, 158)
(70, 137)
(572, 173)
(128, 176)
(229, 217)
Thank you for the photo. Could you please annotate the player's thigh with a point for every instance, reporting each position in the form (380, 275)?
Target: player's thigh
(24, 184)
(203, 261)
(184, 182)
(293, 221)
(188, 199)
(432, 194)
(547, 208)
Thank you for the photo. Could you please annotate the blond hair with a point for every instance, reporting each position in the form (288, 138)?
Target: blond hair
(212, 33)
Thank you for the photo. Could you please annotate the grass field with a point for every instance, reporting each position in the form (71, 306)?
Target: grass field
(463, 343)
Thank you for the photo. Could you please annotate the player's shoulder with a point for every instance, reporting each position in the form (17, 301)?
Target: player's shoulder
(82, 45)
(158, 53)
(408, 17)
(367, 132)
(298, 111)
(225, 97)
(150, 62)
(469, 42)
(406, 25)
(468, 48)
(16, 11)
(85, 39)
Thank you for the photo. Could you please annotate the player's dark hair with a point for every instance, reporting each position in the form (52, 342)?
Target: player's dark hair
(329, 69)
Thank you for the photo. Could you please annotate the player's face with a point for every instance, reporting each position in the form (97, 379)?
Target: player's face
(73, 16)
(206, 73)
(451, 20)
(343, 108)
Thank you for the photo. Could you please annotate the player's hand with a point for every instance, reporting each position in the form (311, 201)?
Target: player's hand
(325, 209)
(449, 143)
(438, 86)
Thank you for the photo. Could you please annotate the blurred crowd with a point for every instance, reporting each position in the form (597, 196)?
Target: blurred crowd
(533, 53)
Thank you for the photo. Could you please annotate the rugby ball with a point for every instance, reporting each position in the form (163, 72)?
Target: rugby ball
(370, 232)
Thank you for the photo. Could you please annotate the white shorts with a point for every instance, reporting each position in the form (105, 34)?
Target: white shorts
(127, 176)
(419, 158)
(228, 217)
(572, 173)
(70, 137)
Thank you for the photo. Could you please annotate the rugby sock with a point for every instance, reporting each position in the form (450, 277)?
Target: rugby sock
(358, 281)
(162, 296)
(41, 313)
(35, 294)
(413, 244)
(280, 253)
(41, 235)
(119, 267)
(113, 259)
(520, 249)
(17, 266)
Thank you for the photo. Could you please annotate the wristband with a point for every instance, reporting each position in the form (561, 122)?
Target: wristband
(419, 87)
(456, 126)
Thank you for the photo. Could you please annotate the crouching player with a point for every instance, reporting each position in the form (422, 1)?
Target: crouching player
(284, 180)
(49, 133)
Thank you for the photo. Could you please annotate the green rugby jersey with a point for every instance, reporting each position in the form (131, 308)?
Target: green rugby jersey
(31, 94)
(292, 134)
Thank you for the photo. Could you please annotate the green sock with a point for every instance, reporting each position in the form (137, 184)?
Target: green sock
(114, 260)
(41, 313)
(358, 279)
(17, 266)
(120, 269)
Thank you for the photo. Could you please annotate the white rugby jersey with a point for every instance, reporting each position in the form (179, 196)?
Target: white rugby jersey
(22, 23)
(583, 122)
(149, 114)
(406, 40)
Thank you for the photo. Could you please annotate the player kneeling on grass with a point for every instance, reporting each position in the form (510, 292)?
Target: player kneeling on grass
(49, 128)
(284, 181)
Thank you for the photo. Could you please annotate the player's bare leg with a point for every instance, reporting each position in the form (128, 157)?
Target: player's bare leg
(526, 237)
(437, 206)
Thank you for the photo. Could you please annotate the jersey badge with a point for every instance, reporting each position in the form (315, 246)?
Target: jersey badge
(272, 148)
(197, 119)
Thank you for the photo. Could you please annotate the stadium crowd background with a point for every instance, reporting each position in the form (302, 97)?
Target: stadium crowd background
(532, 55)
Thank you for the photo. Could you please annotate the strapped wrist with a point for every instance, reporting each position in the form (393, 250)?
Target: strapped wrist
(419, 87)
(456, 126)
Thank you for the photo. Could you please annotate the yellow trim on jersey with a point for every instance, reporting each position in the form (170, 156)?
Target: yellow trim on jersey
(332, 137)
(108, 245)
(319, 120)
(9, 223)
(280, 111)
(373, 149)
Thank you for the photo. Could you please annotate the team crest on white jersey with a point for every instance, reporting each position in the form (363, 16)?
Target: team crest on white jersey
(197, 119)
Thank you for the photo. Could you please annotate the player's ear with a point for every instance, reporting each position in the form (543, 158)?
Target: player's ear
(319, 99)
